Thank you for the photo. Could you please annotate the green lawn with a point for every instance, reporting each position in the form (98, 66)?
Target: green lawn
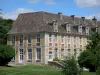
(32, 70)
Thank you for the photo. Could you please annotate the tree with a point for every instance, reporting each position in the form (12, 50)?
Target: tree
(7, 52)
(90, 58)
(70, 67)
(5, 26)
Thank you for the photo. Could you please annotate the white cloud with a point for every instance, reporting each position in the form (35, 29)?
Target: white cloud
(33, 1)
(97, 15)
(13, 15)
(50, 2)
(88, 3)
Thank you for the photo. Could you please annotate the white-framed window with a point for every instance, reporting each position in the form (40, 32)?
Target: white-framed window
(62, 39)
(55, 38)
(50, 55)
(80, 29)
(55, 53)
(87, 30)
(50, 38)
(68, 39)
(29, 53)
(62, 53)
(38, 53)
(29, 39)
(55, 26)
(68, 29)
(38, 38)
(80, 40)
(96, 29)
(21, 39)
(75, 40)
(75, 53)
(13, 40)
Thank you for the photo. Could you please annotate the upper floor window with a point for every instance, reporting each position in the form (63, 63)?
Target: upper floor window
(29, 39)
(74, 40)
(62, 38)
(80, 40)
(68, 39)
(55, 38)
(87, 30)
(38, 38)
(21, 39)
(13, 40)
(50, 38)
(80, 29)
(68, 28)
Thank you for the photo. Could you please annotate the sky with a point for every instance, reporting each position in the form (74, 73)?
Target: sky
(79, 8)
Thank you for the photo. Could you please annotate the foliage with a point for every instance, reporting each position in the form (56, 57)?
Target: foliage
(70, 67)
(7, 52)
(56, 59)
(5, 26)
(90, 58)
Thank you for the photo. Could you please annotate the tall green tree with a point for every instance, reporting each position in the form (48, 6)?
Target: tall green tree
(5, 26)
(90, 58)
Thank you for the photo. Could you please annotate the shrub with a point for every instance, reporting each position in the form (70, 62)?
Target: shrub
(7, 52)
(56, 59)
(70, 67)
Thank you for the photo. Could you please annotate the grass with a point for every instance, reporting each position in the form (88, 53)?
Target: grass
(32, 70)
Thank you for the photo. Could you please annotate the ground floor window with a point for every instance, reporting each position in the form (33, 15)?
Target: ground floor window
(29, 54)
(13, 59)
(75, 53)
(69, 54)
(38, 53)
(50, 55)
(55, 53)
(62, 53)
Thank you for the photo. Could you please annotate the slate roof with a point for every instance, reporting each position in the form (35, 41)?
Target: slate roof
(38, 22)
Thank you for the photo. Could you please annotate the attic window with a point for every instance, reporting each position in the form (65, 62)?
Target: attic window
(80, 29)
(55, 26)
(87, 30)
(68, 27)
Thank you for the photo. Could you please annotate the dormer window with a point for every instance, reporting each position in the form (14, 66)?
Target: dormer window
(96, 29)
(87, 30)
(55, 26)
(80, 29)
(68, 28)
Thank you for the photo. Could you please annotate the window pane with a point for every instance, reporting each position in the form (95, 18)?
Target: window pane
(29, 39)
(21, 39)
(13, 39)
(29, 54)
(38, 53)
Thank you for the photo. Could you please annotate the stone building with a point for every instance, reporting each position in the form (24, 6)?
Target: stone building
(40, 37)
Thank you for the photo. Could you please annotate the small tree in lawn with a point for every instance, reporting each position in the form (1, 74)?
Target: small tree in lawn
(70, 67)
(7, 52)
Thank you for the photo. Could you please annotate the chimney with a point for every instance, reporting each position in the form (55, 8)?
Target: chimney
(95, 21)
(73, 18)
(60, 15)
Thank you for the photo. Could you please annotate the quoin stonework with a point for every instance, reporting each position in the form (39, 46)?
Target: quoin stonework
(39, 37)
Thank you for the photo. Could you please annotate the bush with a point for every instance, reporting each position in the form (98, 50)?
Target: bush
(70, 67)
(56, 59)
(7, 52)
